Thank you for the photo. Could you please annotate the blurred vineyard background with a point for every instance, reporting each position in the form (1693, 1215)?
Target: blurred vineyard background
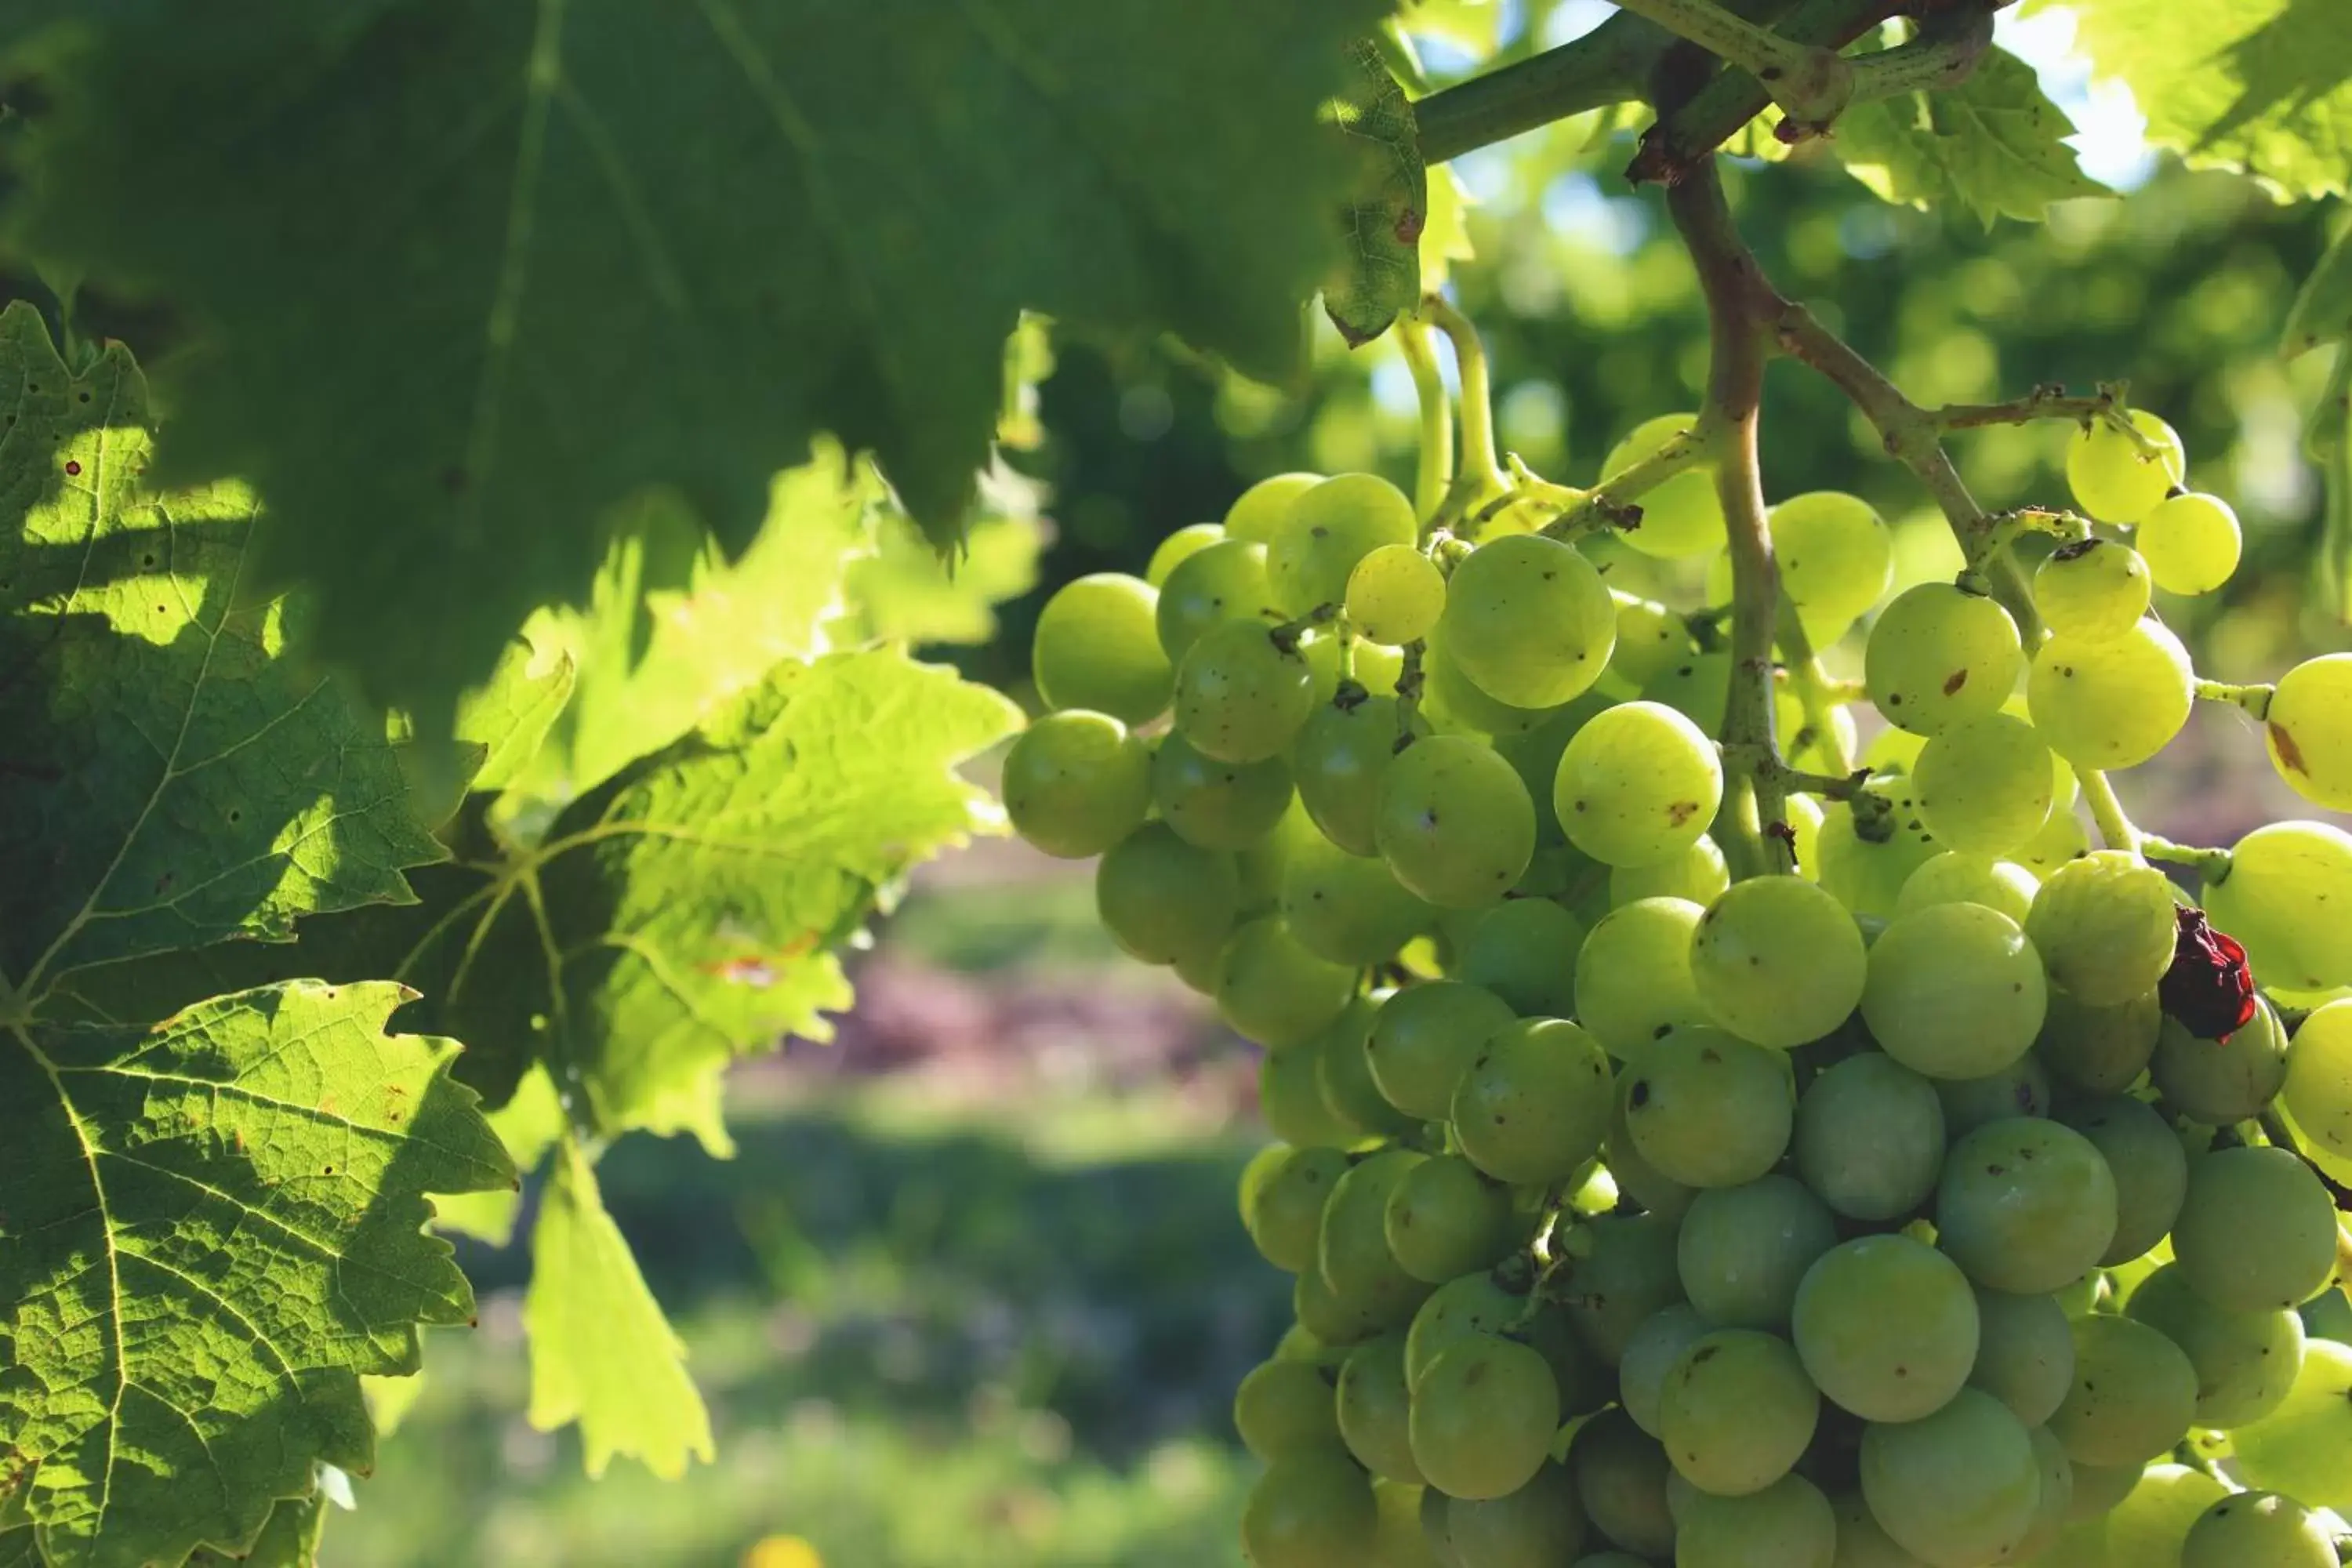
(973, 1290)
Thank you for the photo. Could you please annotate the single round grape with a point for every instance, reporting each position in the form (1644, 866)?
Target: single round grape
(2133, 1393)
(2062, 838)
(1258, 511)
(1867, 875)
(1952, 878)
(1179, 547)
(1528, 620)
(2092, 589)
(2256, 1231)
(2113, 479)
(1778, 961)
(1707, 1110)
(1291, 1102)
(1374, 1408)
(1870, 1138)
(1787, 1525)
(1334, 1320)
(2025, 1205)
(1651, 638)
(1455, 704)
(1939, 655)
(1309, 1510)
(1424, 1036)
(1455, 823)
(1697, 874)
(1223, 581)
(1328, 529)
(1737, 1411)
(1650, 1353)
(1286, 1215)
(1954, 1488)
(1886, 1327)
(1743, 1251)
(2318, 1088)
(2285, 898)
(2310, 729)
(1343, 1076)
(1240, 696)
(1395, 595)
(2258, 1530)
(1984, 784)
(1216, 804)
(1625, 1271)
(1162, 899)
(2100, 1051)
(1347, 909)
(2106, 926)
(2111, 704)
(1633, 974)
(2149, 1167)
(1262, 861)
(1339, 758)
(2151, 1524)
(1077, 783)
(2190, 542)
(1272, 991)
(1534, 1103)
(1638, 1181)
(1835, 553)
(1096, 647)
(1680, 517)
(1542, 1525)
(2304, 1447)
(1955, 991)
(1861, 1541)
(2219, 1081)
(1524, 950)
(1470, 1307)
(2025, 1353)
(1534, 755)
(1353, 1253)
(1484, 1413)
(1446, 1219)
(1620, 1477)
(2021, 1088)
(1285, 1407)
(1637, 785)
(2245, 1362)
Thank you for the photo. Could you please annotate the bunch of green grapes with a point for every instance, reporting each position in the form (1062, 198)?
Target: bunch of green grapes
(1913, 1199)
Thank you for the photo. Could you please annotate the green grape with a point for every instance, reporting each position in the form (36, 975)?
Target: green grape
(1680, 517)
(1696, 873)
(2061, 839)
(1634, 975)
(1955, 991)
(1257, 514)
(2284, 898)
(1625, 1269)
(1778, 961)
(2025, 1205)
(1424, 1036)
(1455, 823)
(2111, 704)
(2245, 1362)
(1952, 878)
(1650, 1353)
(1939, 655)
(1256, 1173)
(1345, 908)
(1651, 639)
(1835, 553)
(2318, 1090)
(2105, 927)
(1077, 783)
(1861, 1542)
(1352, 1254)
(1179, 547)
(1272, 991)
(2309, 727)
(1455, 704)
(2021, 1088)
(1955, 1488)
(1328, 529)
(1698, 687)
(1737, 1411)
(2328, 1316)
(1707, 1110)
(2304, 1447)
(1497, 1302)
(2053, 1503)
(1399, 1541)
(1339, 758)
(1240, 696)
(2191, 542)
(1285, 1407)
(1637, 785)
(1805, 821)
(2258, 1530)
(2113, 479)
(1484, 1412)
(1886, 1327)
(1309, 1510)
(1534, 1104)
(1984, 784)
(1224, 581)
(1534, 753)
(1343, 1075)
(1215, 805)
(1870, 1138)
(1285, 1217)
(2256, 1231)
(1332, 1318)
(1395, 595)
(1637, 1180)
(1096, 647)
(1162, 899)
(2133, 1393)
(1291, 1102)
(1893, 751)
(1867, 875)
(2149, 1527)
(1528, 620)
(2234, 1078)
(1524, 950)
(2025, 1353)
(1620, 1477)
(1264, 861)
(1374, 1409)
(2100, 1489)
(1542, 1525)
(1446, 1219)
(2092, 589)
(2149, 1167)
(1743, 1251)
(2098, 1050)
(1787, 1525)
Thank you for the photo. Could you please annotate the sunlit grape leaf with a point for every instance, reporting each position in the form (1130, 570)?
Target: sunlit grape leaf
(473, 275)
(2322, 312)
(1387, 206)
(212, 1227)
(529, 1124)
(600, 1351)
(1447, 239)
(509, 716)
(1994, 144)
(905, 592)
(290, 1539)
(390, 1399)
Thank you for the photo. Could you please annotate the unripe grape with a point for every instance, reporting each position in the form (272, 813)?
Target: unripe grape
(1534, 1103)
(2111, 704)
(1524, 950)
(1329, 527)
(2245, 1362)
(1632, 975)
(1221, 582)
(1528, 620)
(1424, 1036)
(1285, 1407)
(1955, 991)
(2092, 589)
(1952, 878)
(1343, 1076)
(2133, 1393)
(1984, 784)
(1835, 553)
(1345, 908)
(2285, 897)
(1887, 1327)
(1870, 1138)
(2025, 1353)
(2318, 1092)
(1484, 1413)
(1447, 1219)
(1743, 1251)
(2220, 1081)
(1955, 1488)
(1455, 823)
(1737, 1411)
(1787, 1525)
(2104, 926)
(1697, 874)
(2025, 1205)
(2149, 1166)
(2257, 1231)
(1373, 1408)
(1639, 783)
(2191, 542)
(1651, 639)
(1259, 511)
(1680, 517)
(1164, 899)
(1620, 1477)
(1939, 655)
(1778, 961)
(1217, 804)
(1179, 547)
(2309, 728)
(1291, 1102)
(2300, 1447)
(1097, 647)
(2258, 1530)
(1310, 1511)
(2113, 479)
(1241, 697)
(1285, 1210)
(1707, 1110)
(1272, 991)
(1077, 783)
(1539, 1525)
(1395, 595)
(1651, 1352)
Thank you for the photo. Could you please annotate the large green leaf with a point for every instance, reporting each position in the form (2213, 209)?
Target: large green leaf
(1379, 275)
(212, 1227)
(472, 274)
(1995, 145)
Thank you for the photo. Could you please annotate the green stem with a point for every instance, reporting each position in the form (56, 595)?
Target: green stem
(1943, 56)
(2045, 401)
(2255, 700)
(1410, 680)
(2210, 864)
(1811, 83)
(1436, 466)
(2115, 828)
(1480, 479)
(1612, 502)
(1815, 693)
(1608, 65)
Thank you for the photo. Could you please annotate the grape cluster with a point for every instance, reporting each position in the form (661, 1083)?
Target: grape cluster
(1904, 1208)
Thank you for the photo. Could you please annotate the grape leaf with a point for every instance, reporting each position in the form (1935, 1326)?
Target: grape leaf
(212, 1227)
(524, 263)
(600, 1351)
(1389, 206)
(290, 1539)
(529, 1125)
(904, 591)
(2322, 312)
(1995, 143)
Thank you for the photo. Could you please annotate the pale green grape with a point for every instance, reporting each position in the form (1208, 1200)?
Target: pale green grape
(1310, 1511)
(1328, 529)
(1634, 976)
(1835, 553)
(2256, 1232)
(1285, 1209)
(1179, 547)
(1240, 696)
(1264, 860)
(2021, 1088)
(2286, 897)
(1272, 991)
(1395, 595)
(2319, 1091)
(2099, 1489)
(1257, 513)
(1863, 1541)
(2310, 729)
(1952, 878)
(1534, 753)
(1162, 899)
(2106, 926)
(1374, 1409)
(1399, 1541)
(1870, 1138)
(1339, 758)
(1343, 1075)
(2113, 479)
(1333, 1320)
(1223, 581)
(2225, 1080)
(1528, 620)
(1623, 1271)
(2111, 704)
(1637, 1181)
(1867, 875)
(1651, 639)
(1893, 751)
(1787, 1525)
(2025, 1353)
(1637, 785)
(1424, 1036)
(1542, 1525)
(1353, 1253)
(1471, 1307)
(1778, 961)
(1534, 1103)
(1650, 1353)
(2150, 1526)
(1697, 874)
(2258, 1530)
(1620, 1477)
(1886, 1327)
(1524, 950)
(1291, 1102)
(1680, 517)
(1743, 1251)
(1698, 687)
(2092, 589)
(2149, 1167)
(2304, 1447)
(1955, 1488)
(1096, 647)
(2245, 1362)
(1984, 784)
(1455, 823)
(1955, 991)
(1077, 783)
(1939, 655)
(2190, 542)
(2025, 1205)
(1736, 1411)
(1285, 1407)
(2133, 1393)
(2100, 1050)
(1345, 908)
(1446, 1219)
(1455, 704)
(1484, 1413)
(2062, 838)
(1216, 804)
(1707, 1110)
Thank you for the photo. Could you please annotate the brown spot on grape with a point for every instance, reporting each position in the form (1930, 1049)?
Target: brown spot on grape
(1682, 811)
(2290, 755)
(1954, 682)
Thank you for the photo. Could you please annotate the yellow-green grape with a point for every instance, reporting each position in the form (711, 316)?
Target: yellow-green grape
(1312, 1509)
(1077, 783)
(1373, 1402)
(1285, 1407)
(1484, 1416)
(1651, 639)
(1376, 668)
(2259, 1530)
(1939, 655)
(1395, 595)
(1164, 899)
(2135, 1394)
(1736, 1411)
(2099, 1048)
(1697, 873)
(1220, 581)
(1179, 547)
(1217, 804)
(1454, 821)
(2062, 838)
(1257, 513)
(1098, 646)
(2104, 926)
(1835, 554)
(1423, 1038)
(1955, 991)
(1681, 517)
(1534, 1103)
(1329, 529)
(2318, 1093)
(1339, 758)
(2111, 704)
(2113, 479)
(2257, 1231)
(2304, 1447)
(1778, 961)
(1272, 990)
(1528, 620)
(1866, 874)
(1286, 1207)
(1291, 1102)
(1241, 697)
(1455, 703)
(1893, 751)
(1637, 785)
(2310, 728)
(2092, 589)
(1984, 784)
(1632, 975)
(2191, 542)
(1347, 908)
(1952, 878)
(1955, 1488)
(2285, 898)
(1806, 820)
